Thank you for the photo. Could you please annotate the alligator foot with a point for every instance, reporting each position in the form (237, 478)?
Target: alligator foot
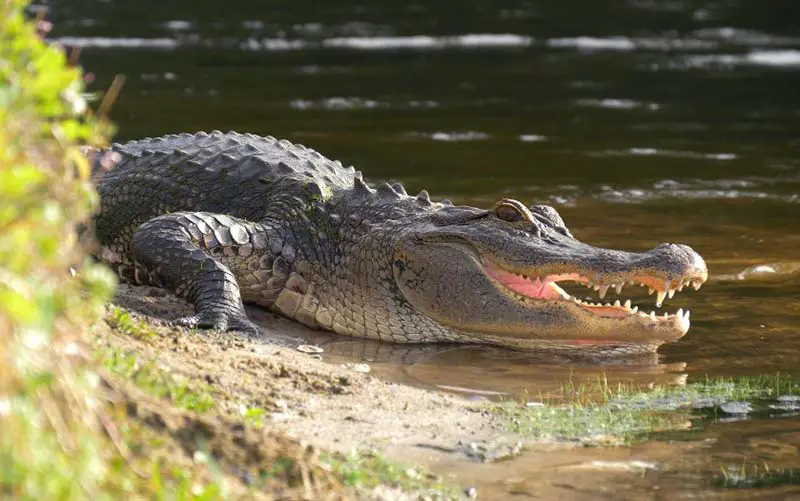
(221, 321)
(173, 252)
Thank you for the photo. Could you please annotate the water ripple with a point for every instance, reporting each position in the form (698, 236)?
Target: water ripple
(451, 136)
(744, 37)
(618, 104)
(532, 138)
(594, 43)
(312, 36)
(178, 25)
(691, 189)
(647, 151)
(357, 103)
(118, 42)
(776, 58)
(484, 40)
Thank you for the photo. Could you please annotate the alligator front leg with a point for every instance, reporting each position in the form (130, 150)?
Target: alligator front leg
(192, 255)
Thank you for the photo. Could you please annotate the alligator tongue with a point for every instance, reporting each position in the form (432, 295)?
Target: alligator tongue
(536, 289)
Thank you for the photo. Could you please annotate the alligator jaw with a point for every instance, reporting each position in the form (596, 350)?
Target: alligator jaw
(542, 288)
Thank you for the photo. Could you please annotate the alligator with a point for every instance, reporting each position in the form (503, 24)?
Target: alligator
(225, 219)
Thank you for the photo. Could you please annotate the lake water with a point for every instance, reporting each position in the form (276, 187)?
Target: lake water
(642, 121)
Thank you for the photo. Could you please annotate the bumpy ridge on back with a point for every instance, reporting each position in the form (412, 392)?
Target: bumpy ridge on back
(240, 156)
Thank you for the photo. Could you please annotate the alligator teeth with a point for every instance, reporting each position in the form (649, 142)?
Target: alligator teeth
(627, 306)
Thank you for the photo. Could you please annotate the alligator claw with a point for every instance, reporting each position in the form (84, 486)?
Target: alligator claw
(219, 321)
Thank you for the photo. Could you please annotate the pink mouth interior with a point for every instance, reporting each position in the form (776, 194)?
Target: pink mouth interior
(536, 289)
(548, 289)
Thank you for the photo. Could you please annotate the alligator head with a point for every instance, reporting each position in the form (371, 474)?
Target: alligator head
(497, 275)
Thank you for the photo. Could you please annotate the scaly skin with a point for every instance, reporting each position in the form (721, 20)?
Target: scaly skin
(223, 219)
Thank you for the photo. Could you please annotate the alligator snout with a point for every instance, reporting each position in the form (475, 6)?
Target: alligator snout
(676, 260)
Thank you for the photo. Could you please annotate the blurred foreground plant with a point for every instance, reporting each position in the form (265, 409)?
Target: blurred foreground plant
(50, 445)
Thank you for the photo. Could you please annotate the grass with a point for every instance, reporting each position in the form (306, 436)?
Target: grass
(253, 416)
(122, 321)
(600, 413)
(157, 381)
(755, 476)
(361, 472)
(365, 471)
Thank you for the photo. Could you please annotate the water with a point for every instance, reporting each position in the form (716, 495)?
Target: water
(641, 121)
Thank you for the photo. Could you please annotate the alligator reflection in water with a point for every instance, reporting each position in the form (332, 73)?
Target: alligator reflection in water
(473, 370)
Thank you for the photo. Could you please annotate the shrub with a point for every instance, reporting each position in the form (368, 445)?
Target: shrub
(50, 447)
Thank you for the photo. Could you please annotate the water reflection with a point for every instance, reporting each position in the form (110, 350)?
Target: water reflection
(737, 461)
(471, 370)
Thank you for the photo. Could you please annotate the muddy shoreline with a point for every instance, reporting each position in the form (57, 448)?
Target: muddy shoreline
(333, 406)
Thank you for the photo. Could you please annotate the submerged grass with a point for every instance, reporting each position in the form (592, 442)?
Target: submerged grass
(756, 476)
(367, 471)
(602, 413)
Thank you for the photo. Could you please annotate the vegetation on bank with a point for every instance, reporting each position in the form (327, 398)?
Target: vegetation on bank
(53, 444)
(362, 472)
(602, 414)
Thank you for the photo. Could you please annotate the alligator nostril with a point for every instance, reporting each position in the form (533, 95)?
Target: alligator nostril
(678, 248)
(686, 256)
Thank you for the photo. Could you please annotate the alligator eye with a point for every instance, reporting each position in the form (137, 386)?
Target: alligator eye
(512, 211)
(508, 213)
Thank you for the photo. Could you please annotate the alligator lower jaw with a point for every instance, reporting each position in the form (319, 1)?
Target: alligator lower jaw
(546, 289)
